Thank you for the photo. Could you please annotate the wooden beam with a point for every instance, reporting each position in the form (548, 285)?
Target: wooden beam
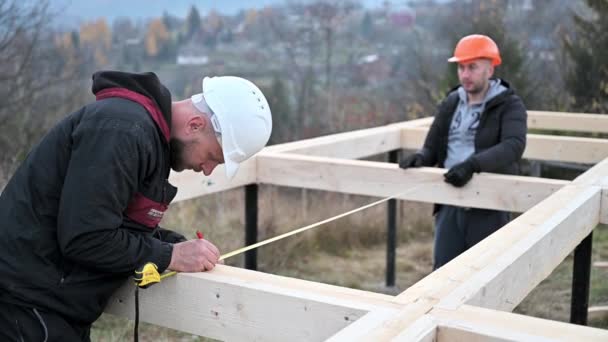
(371, 328)
(558, 121)
(573, 212)
(573, 122)
(369, 323)
(473, 272)
(424, 329)
(598, 313)
(566, 149)
(601, 264)
(513, 193)
(538, 147)
(191, 184)
(472, 324)
(597, 176)
(350, 145)
(235, 304)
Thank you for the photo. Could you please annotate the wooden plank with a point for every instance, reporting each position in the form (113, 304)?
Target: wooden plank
(191, 184)
(598, 313)
(423, 330)
(597, 176)
(472, 324)
(379, 179)
(448, 286)
(573, 122)
(392, 326)
(235, 304)
(559, 121)
(350, 145)
(538, 147)
(566, 149)
(601, 264)
(503, 284)
(365, 324)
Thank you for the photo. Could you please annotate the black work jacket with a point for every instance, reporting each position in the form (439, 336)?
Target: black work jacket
(500, 139)
(81, 213)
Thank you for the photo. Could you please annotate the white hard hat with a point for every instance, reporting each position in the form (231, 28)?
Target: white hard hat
(243, 116)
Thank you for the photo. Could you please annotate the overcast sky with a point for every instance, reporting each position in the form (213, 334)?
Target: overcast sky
(89, 9)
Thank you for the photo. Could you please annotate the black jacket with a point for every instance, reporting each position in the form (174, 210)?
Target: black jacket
(81, 212)
(500, 139)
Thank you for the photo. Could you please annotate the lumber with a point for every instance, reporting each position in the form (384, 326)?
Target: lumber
(235, 304)
(573, 122)
(559, 121)
(473, 324)
(350, 145)
(538, 146)
(599, 312)
(491, 191)
(553, 229)
(601, 264)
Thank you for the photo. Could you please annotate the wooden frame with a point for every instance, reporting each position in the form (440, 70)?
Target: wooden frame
(462, 301)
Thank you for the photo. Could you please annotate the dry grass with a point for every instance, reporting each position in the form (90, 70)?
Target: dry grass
(349, 252)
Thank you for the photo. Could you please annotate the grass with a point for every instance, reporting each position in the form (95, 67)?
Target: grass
(349, 252)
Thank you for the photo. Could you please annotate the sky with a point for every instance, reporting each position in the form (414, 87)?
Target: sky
(90, 9)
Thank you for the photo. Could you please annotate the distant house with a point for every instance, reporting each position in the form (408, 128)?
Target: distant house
(191, 55)
(372, 69)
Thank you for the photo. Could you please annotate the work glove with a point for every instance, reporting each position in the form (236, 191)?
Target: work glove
(169, 236)
(413, 160)
(460, 174)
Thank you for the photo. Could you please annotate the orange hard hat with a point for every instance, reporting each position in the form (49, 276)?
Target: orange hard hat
(476, 46)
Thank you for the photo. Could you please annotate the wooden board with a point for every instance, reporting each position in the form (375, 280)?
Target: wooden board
(554, 228)
(573, 122)
(538, 146)
(236, 304)
(472, 324)
(379, 179)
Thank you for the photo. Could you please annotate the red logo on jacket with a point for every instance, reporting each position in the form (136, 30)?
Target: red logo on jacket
(145, 211)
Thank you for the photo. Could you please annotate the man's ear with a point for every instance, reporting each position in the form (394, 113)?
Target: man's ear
(196, 124)
(490, 69)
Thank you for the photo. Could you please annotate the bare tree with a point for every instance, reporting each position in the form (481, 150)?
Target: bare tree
(308, 35)
(31, 72)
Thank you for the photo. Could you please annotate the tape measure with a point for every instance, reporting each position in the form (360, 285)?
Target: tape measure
(146, 275)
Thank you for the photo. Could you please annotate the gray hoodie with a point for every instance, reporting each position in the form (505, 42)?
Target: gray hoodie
(461, 139)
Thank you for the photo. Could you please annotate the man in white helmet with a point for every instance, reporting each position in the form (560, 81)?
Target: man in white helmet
(81, 213)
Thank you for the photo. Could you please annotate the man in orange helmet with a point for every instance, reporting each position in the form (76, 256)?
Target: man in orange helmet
(479, 126)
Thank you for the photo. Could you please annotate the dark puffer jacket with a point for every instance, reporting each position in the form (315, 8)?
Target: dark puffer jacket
(500, 139)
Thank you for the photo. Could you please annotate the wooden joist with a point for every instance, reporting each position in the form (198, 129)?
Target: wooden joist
(499, 271)
(538, 146)
(473, 324)
(573, 122)
(235, 304)
(513, 193)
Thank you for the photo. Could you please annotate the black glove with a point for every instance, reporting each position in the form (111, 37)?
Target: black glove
(169, 236)
(413, 160)
(460, 174)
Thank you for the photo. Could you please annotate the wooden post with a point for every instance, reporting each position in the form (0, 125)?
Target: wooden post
(251, 225)
(391, 230)
(581, 274)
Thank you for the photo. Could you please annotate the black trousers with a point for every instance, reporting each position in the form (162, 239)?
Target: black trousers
(25, 324)
(458, 229)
